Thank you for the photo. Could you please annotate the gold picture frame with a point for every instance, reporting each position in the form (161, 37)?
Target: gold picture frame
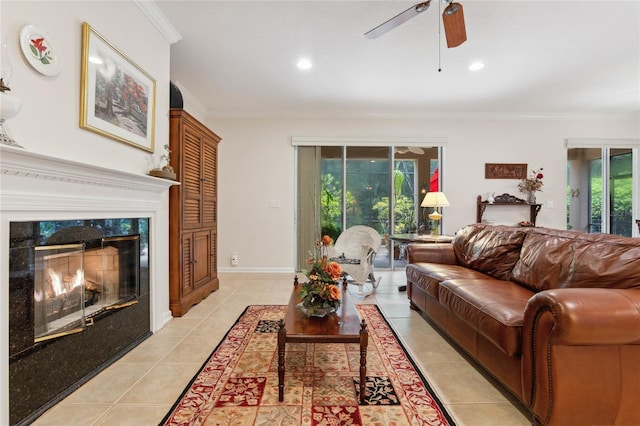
(505, 171)
(118, 97)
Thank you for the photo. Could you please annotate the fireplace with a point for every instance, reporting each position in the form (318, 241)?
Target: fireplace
(39, 195)
(79, 299)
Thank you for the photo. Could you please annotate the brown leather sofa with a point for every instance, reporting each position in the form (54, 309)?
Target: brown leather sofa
(554, 315)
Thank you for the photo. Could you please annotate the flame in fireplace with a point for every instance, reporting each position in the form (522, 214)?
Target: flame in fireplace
(65, 284)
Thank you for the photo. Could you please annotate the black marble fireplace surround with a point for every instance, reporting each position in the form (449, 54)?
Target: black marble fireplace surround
(45, 370)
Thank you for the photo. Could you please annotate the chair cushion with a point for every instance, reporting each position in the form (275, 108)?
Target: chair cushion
(428, 276)
(494, 308)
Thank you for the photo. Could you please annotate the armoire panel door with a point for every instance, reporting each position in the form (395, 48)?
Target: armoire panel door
(187, 264)
(192, 179)
(209, 174)
(201, 257)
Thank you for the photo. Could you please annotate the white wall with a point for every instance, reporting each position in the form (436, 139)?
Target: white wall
(49, 120)
(257, 165)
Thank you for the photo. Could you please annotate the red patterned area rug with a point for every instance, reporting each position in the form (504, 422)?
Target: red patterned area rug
(238, 384)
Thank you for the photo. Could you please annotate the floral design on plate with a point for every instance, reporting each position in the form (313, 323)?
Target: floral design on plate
(39, 51)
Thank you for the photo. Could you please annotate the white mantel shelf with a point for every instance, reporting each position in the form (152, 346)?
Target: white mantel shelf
(24, 163)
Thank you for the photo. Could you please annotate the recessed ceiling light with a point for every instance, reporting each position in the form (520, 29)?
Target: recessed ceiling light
(304, 64)
(476, 66)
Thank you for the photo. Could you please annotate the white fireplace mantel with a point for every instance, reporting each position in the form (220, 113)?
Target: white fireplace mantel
(17, 162)
(35, 186)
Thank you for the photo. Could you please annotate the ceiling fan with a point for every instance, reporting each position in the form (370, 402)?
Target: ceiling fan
(413, 149)
(452, 19)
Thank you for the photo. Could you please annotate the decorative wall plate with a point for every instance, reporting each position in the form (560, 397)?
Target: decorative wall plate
(39, 51)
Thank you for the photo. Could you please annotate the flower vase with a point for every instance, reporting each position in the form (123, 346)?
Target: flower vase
(531, 197)
(312, 310)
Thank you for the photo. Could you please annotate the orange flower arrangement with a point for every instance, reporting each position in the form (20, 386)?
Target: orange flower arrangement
(321, 293)
(334, 270)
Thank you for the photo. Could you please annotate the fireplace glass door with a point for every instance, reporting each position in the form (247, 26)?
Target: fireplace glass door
(75, 282)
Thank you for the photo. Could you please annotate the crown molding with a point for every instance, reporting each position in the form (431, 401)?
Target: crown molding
(159, 19)
(328, 113)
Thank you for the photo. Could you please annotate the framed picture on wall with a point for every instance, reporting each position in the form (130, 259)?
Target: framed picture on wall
(505, 171)
(117, 96)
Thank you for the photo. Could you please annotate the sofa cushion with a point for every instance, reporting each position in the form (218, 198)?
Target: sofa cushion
(552, 258)
(428, 276)
(493, 250)
(603, 260)
(492, 307)
(545, 260)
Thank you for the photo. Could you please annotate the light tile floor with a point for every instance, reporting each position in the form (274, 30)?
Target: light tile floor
(140, 388)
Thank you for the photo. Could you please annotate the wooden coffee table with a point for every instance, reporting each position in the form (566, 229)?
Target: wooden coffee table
(343, 326)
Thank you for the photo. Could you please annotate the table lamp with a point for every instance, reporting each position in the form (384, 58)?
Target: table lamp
(435, 200)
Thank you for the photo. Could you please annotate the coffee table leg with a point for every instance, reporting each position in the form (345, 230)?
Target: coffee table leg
(364, 342)
(282, 333)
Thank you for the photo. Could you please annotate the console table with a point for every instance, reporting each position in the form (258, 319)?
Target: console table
(507, 200)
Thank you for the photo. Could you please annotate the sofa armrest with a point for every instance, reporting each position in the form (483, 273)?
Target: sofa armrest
(431, 253)
(580, 350)
(588, 316)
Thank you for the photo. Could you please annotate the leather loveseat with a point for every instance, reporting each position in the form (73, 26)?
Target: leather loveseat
(554, 315)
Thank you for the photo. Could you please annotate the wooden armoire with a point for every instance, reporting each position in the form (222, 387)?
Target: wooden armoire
(193, 272)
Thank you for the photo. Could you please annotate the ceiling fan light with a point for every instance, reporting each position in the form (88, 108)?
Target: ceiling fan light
(421, 7)
(453, 23)
(451, 9)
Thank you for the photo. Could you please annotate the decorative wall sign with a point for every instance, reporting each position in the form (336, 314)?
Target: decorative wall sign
(505, 171)
(118, 97)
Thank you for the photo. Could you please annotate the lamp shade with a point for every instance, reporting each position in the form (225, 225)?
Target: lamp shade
(435, 199)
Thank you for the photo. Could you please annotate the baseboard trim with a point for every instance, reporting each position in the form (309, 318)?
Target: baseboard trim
(251, 270)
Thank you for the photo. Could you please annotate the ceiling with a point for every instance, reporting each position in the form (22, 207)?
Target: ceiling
(543, 58)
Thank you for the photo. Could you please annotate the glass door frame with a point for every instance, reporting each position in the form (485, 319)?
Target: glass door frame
(390, 143)
(606, 146)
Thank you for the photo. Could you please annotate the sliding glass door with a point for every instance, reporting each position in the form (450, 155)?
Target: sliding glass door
(376, 186)
(600, 190)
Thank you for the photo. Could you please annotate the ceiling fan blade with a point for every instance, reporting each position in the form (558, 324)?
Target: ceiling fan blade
(416, 150)
(453, 21)
(398, 20)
